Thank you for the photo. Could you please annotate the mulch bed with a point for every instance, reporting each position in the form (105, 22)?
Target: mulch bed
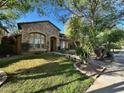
(89, 69)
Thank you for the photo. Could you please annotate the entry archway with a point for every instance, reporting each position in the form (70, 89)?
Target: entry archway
(53, 42)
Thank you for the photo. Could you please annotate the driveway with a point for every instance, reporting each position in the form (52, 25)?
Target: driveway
(112, 80)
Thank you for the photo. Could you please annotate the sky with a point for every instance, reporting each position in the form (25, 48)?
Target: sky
(34, 16)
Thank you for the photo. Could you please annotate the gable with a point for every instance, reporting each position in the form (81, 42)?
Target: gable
(38, 25)
(54, 26)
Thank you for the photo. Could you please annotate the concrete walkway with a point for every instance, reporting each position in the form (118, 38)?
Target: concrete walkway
(112, 80)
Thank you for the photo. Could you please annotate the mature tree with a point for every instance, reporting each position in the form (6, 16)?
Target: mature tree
(73, 28)
(109, 37)
(97, 15)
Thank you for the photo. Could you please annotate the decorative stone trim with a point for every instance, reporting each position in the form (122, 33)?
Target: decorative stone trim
(3, 77)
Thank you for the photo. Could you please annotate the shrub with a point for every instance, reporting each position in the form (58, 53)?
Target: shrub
(83, 53)
(7, 45)
(25, 47)
(8, 40)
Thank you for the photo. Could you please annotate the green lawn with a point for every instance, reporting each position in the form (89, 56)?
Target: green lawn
(44, 73)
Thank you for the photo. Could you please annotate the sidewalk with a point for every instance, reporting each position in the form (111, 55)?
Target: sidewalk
(112, 80)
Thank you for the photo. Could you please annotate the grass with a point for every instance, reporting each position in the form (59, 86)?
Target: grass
(43, 73)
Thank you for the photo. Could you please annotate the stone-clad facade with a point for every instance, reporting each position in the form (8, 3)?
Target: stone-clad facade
(32, 31)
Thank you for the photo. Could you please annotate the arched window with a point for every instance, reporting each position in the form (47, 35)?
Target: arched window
(37, 40)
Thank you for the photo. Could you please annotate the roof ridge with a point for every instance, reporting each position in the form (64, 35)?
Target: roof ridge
(39, 22)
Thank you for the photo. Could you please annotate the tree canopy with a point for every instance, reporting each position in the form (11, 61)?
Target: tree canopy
(98, 16)
(98, 13)
(13, 9)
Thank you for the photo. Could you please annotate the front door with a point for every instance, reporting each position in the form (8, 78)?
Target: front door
(53, 44)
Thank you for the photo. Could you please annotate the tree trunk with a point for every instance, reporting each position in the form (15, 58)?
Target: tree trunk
(75, 44)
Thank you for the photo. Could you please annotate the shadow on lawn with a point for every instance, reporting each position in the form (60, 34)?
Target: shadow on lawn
(51, 69)
(7, 61)
(43, 71)
(56, 86)
(46, 70)
(63, 68)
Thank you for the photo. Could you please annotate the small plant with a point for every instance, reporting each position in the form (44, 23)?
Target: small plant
(25, 47)
(83, 54)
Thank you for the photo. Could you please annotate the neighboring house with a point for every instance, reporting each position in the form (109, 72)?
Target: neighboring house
(42, 36)
(3, 32)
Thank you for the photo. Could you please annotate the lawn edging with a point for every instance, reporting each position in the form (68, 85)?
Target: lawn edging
(76, 60)
(3, 77)
(95, 76)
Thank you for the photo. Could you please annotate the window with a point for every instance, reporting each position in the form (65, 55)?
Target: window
(63, 44)
(37, 40)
